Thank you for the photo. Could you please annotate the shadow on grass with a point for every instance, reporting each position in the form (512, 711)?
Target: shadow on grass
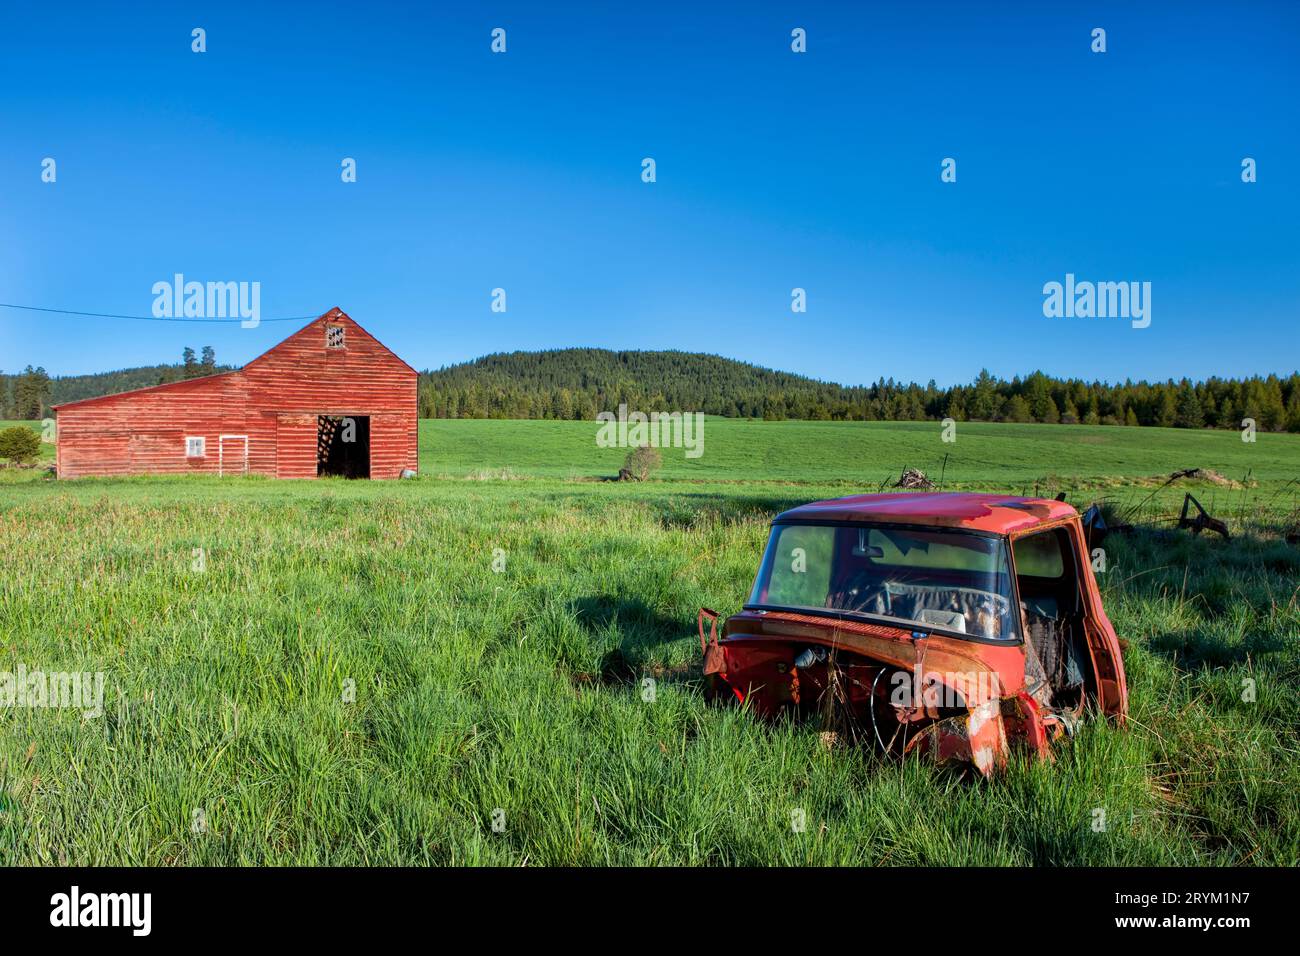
(1233, 587)
(642, 631)
(687, 510)
(1190, 650)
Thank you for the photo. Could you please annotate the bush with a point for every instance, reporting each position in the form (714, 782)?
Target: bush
(641, 461)
(20, 444)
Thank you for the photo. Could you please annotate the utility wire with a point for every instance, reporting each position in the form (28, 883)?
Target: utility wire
(150, 318)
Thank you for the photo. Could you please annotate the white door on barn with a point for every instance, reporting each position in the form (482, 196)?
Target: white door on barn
(232, 455)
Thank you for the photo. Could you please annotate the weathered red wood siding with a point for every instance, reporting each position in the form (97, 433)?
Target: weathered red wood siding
(274, 400)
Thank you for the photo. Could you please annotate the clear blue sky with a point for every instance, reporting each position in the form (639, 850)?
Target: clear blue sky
(775, 170)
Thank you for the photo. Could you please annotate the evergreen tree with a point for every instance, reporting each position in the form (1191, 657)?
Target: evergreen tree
(1016, 409)
(1188, 413)
(31, 394)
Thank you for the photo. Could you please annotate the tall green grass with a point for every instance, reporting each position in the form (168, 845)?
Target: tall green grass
(521, 691)
(1010, 456)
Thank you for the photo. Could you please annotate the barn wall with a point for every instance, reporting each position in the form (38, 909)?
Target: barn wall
(390, 445)
(274, 400)
(144, 432)
(296, 446)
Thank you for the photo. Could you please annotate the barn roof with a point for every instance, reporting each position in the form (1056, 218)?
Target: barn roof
(165, 386)
(333, 315)
(981, 512)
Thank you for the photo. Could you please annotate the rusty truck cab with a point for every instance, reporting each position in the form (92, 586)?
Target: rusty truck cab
(957, 624)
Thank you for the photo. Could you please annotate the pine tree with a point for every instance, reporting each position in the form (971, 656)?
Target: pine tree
(1188, 413)
(31, 394)
(1016, 409)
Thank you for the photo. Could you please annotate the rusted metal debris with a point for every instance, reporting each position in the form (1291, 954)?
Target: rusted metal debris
(1202, 520)
(713, 660)
(1193, 518)
(1096, 528)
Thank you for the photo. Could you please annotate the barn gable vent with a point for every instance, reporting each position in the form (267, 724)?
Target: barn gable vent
(334, 337)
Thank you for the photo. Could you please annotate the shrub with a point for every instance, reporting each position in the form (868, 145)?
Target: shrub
(643, 460)
(20, 444)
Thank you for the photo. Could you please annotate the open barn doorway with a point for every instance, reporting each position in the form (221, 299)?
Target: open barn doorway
(343, 446)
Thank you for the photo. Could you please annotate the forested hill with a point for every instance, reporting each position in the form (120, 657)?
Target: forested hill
(579, 383)
(30, 393)
(72, 388)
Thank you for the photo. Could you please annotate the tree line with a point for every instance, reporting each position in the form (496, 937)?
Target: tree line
(576, 384)
(579, 383)
(29, 394)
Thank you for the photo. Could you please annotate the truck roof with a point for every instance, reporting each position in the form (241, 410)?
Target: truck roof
(1000, 514)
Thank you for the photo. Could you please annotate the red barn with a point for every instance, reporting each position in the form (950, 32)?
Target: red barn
(328, 400)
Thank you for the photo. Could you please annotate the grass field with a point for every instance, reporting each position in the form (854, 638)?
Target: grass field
(865, 453)
(229, 735)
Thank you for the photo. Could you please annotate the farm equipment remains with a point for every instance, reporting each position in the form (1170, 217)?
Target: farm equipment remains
(959, 626)
(1201, 520)
(1193, 517)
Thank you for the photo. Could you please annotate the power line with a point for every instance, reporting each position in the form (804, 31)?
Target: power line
(149, 318)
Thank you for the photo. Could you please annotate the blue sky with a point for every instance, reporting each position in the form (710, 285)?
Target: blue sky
(775, 170)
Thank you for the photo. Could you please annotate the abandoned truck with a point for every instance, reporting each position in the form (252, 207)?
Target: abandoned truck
(949, 624)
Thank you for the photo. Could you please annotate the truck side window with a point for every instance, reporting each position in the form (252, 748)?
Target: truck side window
(1045, 573)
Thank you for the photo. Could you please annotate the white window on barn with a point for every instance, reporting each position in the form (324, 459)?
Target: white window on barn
(195, 447)
(334, 337)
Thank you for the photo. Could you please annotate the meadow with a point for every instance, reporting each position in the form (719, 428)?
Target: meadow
(354, 673)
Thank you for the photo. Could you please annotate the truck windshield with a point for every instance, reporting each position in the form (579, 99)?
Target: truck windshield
(932, 579)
